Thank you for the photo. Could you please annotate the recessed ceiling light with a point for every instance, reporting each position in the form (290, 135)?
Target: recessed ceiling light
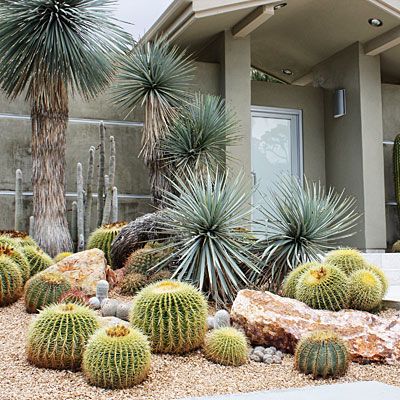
(287, 71)
(375, 22)
(279, 6)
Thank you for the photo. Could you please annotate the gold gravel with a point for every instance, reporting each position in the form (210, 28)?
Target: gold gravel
(171, 377)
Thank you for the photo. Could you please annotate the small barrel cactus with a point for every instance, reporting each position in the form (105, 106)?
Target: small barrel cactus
(22, 239)
(222, 319)
(173, 314)
(133, 283)
(75, 296)
(117, 358)
(44, 289)
(59, 257)
(102, 289)
(366, 291)
(14, 253)
(58, 336)
(381, 275)
(348, 260)
(226, 346)
(38, 259)
(291, 280)
(323, 287)
(141, 261)
(11, 282)
(102, 238)
(322, 354)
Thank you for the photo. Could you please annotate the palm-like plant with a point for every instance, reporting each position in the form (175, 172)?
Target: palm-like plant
(203, 221)
(198, 136)
(301, 224)
(48, 49)
(155, 75)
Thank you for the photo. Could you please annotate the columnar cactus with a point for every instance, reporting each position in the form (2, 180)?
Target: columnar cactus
(102, 288)
(117, 358)
(74, 224)
(102, 238)
(38, 259)
(226, 346)
(58, 336)
(100, 175)
(396, 172)
(173, 314)
(11, 282)
(89, 194)
(290, 282)
(15, 253)
(80, 207)
(19, 207)
(348, 260)
(322, 354)
(366, 290)
(44, 289)
(324, 287)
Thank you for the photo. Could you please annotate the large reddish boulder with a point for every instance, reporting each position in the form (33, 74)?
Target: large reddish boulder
(269, 319)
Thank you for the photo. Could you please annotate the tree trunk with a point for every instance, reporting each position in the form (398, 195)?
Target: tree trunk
(49, 114)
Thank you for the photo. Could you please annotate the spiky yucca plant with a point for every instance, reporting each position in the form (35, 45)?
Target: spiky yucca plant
(50, 49)
(155, 75)
(201, 221)
(301, 224)
(199, 135)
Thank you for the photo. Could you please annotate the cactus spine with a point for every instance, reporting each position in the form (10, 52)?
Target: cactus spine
(290, 282)
(19, 207)
(396, 172)
(322, 354)
(101, 183)
(226, 346)
(366, 290)
(348, 260)
(89, 193)
(58, 336)
(11, 282)
(38, 259)
(80, 207)
(117, 358)
(173, 314)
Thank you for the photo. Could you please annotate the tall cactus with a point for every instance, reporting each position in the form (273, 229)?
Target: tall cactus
(109, 190)
(74, 224)
(80, 207)
(18, 223)
(31, 226)
(89, 193)
(396, 172)
(114, 208)
(101, 183)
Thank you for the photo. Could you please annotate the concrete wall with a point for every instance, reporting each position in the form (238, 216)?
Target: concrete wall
(311, 101)
(353, 143)
(131, 174)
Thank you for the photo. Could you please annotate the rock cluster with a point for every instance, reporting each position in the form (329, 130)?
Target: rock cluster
(267, 355)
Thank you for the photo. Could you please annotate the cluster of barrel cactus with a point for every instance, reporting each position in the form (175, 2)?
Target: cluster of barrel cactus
(344, 280)
(19, 238)
(37, 258)
(322, 354)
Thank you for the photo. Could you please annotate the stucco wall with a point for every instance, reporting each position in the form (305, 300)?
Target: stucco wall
(311, 101)
(131, 174)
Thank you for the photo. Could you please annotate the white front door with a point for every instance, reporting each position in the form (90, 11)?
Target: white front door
(276, 148)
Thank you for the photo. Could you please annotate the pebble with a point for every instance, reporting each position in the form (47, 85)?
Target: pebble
(259, 348)
(255, 357)
(268, 359)
(210, 323)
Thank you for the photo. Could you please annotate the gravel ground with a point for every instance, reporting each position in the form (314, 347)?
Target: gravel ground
(171, 377)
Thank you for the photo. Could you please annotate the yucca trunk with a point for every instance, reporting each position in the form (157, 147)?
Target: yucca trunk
(49, 114)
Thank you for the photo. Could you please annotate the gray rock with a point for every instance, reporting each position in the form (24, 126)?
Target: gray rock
(108, 322)
(269, 351)
(276, 359)
(123, 311)
(279, 354)
(255, 357)
(267, 359)
(94, 303)
(273, 349)
(109, 307)
(259, 354)
(210, 323)
(222, 319)
(259, 348)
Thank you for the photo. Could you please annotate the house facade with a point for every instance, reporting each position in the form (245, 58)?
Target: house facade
(334, 110)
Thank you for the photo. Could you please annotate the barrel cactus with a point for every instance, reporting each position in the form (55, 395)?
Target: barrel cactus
(44, 289)
(324, 287)
(117, 358)
(381, 275)
(37, 258)
(59, 257)
(58, 336)
(11, 281)
(173, 314)
(20, 238)
(102, 238)
(226, 346)
(14, 253)
(322, 354)
(366, 290)
(348, 260)
(142, 260)
(290, 282)
(133, 283)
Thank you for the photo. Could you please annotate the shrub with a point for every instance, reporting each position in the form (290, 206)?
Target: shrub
(301, 223)
(348, 260)
(201, 220)
(324, 287)
(226, 346)
(11, 282)
(57, 337)
(366, 290)
(291, 280)
(117, 358)
(173, 315)
(38, 259)
(322, 354)
(44, 289)
(102, 238)
(15, 254)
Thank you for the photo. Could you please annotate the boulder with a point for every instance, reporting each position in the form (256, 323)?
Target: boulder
(83, 270)
(269, 319)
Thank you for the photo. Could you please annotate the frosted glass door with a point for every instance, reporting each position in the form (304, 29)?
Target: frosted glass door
(276, 148)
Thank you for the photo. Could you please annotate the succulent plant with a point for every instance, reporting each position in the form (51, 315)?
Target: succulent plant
(75, 296)
(117, 358)
(381, 275)
(366, 291)
(94, 303)
(226, 346)
(61, 256)
(291, 280)
(324, 287)
(20, 238)
(322, 354)
(133, 283)
(37, 258)
(11, 281)
(44, 289)
(348, 260)
(142, 260)
(14, 253)
(58, 336)
(222, 319)
(102, 288)
(102, 238)
(173, 314)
